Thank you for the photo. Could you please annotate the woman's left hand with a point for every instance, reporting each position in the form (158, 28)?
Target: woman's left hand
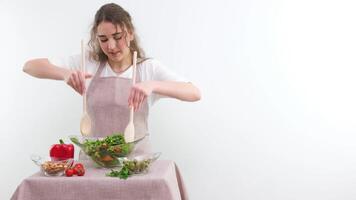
(139, 92)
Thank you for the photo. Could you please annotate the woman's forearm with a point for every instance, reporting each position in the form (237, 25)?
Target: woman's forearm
(42, 68)
(179, 90)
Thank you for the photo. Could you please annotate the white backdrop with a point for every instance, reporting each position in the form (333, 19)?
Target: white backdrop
(277, 116)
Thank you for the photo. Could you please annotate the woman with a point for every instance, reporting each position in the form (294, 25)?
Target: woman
(108, 62)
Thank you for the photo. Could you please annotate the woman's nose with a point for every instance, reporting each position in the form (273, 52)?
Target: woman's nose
(111, 43)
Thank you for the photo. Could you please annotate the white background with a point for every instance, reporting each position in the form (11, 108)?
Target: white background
(277, 116)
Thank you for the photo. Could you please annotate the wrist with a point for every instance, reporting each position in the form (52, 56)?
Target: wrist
(65, 75)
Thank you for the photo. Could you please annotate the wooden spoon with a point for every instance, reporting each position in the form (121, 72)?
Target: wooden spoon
(85, 122)
(130, 128)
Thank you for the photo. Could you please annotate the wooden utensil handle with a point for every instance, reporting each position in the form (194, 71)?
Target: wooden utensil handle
(134, 67)
(133, 81)
(82, 68)
(131, 114)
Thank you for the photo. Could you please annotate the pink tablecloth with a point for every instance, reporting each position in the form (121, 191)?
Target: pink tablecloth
(162, 182)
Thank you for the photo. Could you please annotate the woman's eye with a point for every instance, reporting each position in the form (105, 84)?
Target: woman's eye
(117, 37)
(103, 40)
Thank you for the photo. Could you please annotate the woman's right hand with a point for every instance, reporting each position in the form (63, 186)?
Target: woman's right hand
(76, 80)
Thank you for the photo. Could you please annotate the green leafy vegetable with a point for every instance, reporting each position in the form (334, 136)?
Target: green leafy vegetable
(124, 173)
(130, 167)
(106, 151)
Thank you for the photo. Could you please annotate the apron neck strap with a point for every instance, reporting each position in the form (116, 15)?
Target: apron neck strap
(100, 69)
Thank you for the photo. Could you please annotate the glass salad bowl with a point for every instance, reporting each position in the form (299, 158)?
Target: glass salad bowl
(51, 167)
(105, 151)
(139, 164)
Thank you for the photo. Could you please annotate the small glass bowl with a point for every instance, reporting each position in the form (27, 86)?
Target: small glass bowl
(140, 164)
(50, 167)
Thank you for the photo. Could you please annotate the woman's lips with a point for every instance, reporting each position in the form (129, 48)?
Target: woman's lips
(114, 53)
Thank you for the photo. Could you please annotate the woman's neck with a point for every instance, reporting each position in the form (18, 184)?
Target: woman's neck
(121, 66)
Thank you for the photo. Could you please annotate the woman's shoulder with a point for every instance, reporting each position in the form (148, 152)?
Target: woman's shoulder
(149, 62)
(148, 68)
(151, 65)
(153, 69)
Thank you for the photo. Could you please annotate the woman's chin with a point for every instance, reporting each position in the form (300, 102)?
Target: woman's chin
(116, 58)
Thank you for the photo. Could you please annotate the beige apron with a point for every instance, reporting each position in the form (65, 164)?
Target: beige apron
(107, 101)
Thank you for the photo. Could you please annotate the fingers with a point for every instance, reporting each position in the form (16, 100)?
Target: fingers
(88, 76)
(141, 99)
(136, 98)
(77, 81)
(130, 100)
(81, 81)
(71, 82)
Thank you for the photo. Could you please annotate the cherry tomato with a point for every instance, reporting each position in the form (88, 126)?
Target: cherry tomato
(80, 171)
(74, 171)
(79, 165)
(69, 172)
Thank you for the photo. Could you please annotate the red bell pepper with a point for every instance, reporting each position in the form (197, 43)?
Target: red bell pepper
(61, 151)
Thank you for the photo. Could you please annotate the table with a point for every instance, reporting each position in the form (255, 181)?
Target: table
(162, 182)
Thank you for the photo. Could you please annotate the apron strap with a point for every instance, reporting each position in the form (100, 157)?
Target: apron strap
(100, 69)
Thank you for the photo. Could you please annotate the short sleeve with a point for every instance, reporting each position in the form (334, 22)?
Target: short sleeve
(70, 62)
(73, 63)
(162, 73)
(152, 69)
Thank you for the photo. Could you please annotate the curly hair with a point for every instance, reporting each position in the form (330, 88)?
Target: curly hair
(118, 16)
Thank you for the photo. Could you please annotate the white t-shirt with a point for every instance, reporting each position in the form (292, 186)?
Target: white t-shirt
(151, 69)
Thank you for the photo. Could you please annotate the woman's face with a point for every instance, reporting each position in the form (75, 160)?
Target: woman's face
(113, 41)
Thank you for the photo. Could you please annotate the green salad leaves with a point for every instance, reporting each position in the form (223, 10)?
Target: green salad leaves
(130, 167)
(105, 151)
(113, 145)
(124, 173)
